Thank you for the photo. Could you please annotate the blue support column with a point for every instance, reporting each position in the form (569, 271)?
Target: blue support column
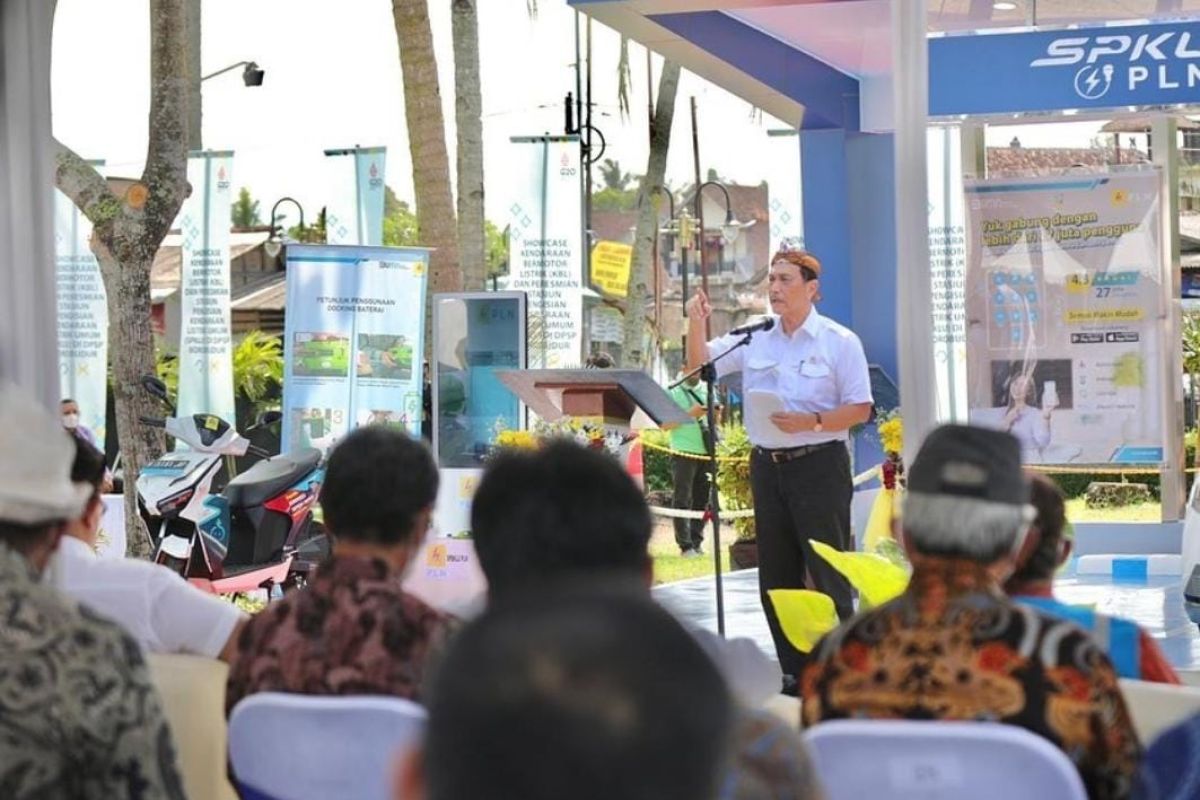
(827, 218)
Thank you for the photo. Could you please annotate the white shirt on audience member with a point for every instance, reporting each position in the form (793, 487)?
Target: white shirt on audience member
(819, 367)
(158, 607)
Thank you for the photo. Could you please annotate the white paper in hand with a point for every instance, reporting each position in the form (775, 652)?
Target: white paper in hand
(761, 405)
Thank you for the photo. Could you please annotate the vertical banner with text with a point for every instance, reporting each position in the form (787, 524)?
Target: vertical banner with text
(353, 341)
(354, 186)
(947, 264)
(1066, 302)
(784, 189)
(205, 339)
(82, 316)
(546, 250)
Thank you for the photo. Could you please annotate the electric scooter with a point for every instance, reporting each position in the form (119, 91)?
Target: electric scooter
(257, 533)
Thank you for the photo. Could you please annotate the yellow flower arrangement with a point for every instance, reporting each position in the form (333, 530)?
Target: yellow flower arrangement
(520, 440)
(891, 434)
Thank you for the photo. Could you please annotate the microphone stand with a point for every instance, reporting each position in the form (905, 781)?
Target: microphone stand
(708, 373)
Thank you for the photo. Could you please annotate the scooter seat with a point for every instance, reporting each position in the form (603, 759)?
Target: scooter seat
(268, 478)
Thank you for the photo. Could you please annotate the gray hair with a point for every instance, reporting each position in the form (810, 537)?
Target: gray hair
(963, 527)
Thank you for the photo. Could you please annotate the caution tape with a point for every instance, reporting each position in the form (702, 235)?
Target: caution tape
(1043, 468)
(743, 513)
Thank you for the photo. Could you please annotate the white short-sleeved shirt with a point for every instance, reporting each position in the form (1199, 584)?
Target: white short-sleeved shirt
(819, 367)
(158, 607)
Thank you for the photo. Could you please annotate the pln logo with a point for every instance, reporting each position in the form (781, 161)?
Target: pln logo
(375, 180)
(1093, 81)
(565, 168)
(222, 179)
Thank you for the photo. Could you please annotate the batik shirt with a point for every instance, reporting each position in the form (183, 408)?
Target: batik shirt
(352, 630)
(79, 717)
(954, 648)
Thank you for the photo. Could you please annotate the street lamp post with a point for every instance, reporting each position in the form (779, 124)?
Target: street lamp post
(275, 241)
(729, 232)
(252, 75)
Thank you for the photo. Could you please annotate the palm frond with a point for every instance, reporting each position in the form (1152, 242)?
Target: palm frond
(624, 79)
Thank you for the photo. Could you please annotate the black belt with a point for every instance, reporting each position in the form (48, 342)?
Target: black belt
(782, 455)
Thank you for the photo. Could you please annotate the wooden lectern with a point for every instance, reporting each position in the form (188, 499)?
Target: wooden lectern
(611, 395)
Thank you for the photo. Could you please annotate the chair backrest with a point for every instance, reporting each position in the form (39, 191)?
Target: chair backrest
(304, 747)
(939, 761)
(192, 689)
(1155, 707)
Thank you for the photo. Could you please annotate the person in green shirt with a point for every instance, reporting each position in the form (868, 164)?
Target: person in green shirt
(690, 472)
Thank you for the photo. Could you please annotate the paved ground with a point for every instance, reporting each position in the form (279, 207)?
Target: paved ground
(1155, 603)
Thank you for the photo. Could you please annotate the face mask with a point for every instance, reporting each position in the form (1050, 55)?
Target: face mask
(70, 421)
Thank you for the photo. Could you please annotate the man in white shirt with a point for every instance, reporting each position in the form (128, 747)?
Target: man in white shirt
(813, 373)
(157, 606)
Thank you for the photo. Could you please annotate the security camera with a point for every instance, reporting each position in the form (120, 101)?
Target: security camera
(252, 75)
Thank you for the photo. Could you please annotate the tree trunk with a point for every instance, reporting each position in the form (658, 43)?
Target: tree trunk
(633, 354)
(436, 225)
(469, 125)
(128, 286)
(127, 232)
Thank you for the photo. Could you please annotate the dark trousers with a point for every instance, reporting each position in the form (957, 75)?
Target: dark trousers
(806, 498)
(691, 493)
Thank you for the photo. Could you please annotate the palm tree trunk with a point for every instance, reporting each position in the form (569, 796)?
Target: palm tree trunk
(633, 356)
(436, 220)
(469, 125)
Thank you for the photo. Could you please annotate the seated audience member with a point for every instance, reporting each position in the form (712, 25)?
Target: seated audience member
(353, 630)
(1170, 770)
(953, 646)
(1132, 651)
(79, 714)
(586, 693)
(154, 603)
(566, 512)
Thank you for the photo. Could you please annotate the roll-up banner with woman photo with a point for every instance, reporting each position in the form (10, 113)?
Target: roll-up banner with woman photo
(1066, 301)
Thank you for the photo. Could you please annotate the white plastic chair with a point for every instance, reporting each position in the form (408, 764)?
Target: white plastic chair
(903, 760)
(1155, 707)
(304, 747)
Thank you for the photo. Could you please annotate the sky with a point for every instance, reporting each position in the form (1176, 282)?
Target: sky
(333, 80)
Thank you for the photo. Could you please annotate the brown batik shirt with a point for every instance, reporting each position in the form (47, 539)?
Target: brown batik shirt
(352, 630)
(952, 647)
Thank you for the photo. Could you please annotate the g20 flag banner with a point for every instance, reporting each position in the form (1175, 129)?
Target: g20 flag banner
(354, 182)
(205, 340)
(545, 246)
(353, 341)
(82, 315)
(1066, 293)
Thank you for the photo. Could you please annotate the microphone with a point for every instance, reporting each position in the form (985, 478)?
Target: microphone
(755, 327)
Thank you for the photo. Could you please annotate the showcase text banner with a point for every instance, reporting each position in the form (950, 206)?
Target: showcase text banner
(546, 252)
(947, 262)
(354, 183)
(354, 341)
(1064, 315)
(784, 188)
(82, 315)
(205, 340)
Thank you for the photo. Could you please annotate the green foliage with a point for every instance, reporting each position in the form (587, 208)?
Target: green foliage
(612, 175)
(495, 249)
(1191, 343)
(244, 212)
(733, 477)
(656, 465)
(608, 199)
(258, 368)
(309, 234)
(399, 221)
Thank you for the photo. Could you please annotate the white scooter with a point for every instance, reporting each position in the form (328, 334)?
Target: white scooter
(257, 533)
